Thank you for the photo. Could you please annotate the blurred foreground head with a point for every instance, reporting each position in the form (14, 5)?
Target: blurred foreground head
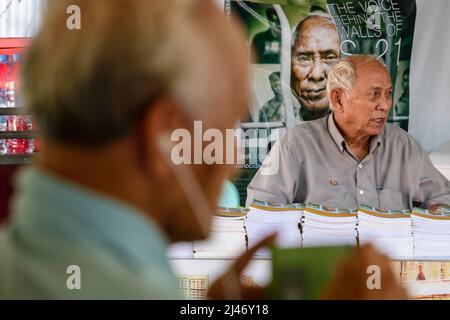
(105, 95)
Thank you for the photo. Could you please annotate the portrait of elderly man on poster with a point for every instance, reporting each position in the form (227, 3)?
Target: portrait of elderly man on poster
(352, 157)
(315, 48)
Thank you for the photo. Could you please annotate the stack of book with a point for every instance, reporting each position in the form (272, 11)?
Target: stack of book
(431, 233)
(264, 220)
(399, 234)
(388, 230)
(227, 238)
(323, 226)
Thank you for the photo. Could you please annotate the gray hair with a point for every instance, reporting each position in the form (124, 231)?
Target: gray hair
(91, 86)
(343, 74)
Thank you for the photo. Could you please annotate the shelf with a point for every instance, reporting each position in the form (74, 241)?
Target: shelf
(16, 159)
(18, 135)
(13, 112)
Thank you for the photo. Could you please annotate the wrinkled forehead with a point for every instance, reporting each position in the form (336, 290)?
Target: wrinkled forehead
(372, 74)
(317, 36)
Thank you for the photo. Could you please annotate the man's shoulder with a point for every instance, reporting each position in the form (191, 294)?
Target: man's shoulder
(52, 265)
(395, 134)
(302, 132)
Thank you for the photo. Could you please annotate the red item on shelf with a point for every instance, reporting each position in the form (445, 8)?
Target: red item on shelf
(18, 146)
(3, 71)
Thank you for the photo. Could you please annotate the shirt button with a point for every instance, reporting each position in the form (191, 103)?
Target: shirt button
(361, 192)
(360, 166)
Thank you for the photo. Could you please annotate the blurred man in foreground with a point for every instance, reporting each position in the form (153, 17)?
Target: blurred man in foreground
(94, 216)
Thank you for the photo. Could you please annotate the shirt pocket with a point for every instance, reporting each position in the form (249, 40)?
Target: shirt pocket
(370, 197)
(332, 197)
(391, 199)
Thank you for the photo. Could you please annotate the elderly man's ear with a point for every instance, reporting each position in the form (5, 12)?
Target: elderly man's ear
(164, 116)
(336, 100)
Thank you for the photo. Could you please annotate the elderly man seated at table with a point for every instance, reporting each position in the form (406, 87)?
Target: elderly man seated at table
(352, 157)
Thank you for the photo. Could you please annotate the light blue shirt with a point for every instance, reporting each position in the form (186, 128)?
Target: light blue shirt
(230, 196)
(120, 253)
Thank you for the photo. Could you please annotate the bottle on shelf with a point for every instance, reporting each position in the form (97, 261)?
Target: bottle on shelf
(12, 80)
(9, 83)
(4, 68)
(3, 128)
(31, 142)
(17, 124)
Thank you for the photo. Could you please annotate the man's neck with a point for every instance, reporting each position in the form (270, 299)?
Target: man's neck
(358, 143)
(308, 115)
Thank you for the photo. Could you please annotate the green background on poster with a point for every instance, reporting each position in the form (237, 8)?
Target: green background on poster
(382, 28)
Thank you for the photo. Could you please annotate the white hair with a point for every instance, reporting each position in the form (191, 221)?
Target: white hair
(342, 75)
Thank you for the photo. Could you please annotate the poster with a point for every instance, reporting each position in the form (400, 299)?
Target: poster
(294, 43)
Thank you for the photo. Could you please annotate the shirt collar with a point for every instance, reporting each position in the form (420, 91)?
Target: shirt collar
(340, 141)
(335, 133)
(376, 141)
(50, 204)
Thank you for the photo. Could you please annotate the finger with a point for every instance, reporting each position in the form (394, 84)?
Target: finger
(253, 293)
(370, 255)
(229, 286)
(240, 265)
(368, 248)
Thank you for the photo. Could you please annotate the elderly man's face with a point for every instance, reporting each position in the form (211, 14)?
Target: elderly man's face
(315, 51)
(368, 106)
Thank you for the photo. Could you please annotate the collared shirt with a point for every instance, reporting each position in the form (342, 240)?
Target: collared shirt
(312, 163)
(114, 250)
